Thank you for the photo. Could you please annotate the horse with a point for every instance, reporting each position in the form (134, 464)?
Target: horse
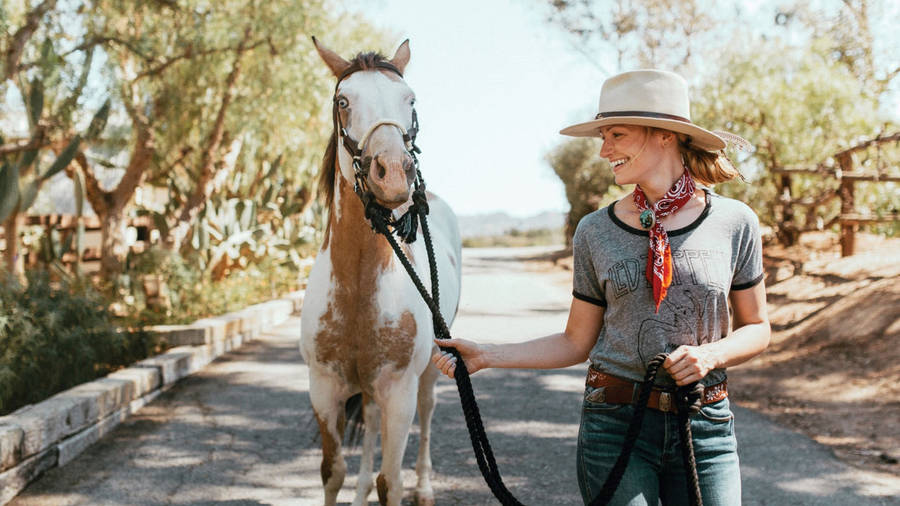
(364, 328)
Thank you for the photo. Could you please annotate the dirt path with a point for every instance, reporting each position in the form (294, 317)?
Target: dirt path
(240, 432)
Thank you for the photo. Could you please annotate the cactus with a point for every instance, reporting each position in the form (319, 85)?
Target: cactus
(13, 196)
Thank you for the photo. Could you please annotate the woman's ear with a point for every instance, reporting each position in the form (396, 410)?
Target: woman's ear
(666, 137)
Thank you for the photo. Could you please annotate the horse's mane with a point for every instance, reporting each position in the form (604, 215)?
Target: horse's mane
(362, 61)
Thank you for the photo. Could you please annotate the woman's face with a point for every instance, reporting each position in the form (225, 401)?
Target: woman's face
(631, 152)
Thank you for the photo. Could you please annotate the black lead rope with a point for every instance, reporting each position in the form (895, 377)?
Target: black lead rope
(687, 402)
(687, 398)
(407, 227)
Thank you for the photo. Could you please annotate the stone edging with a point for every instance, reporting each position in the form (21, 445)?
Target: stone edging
(53, 432)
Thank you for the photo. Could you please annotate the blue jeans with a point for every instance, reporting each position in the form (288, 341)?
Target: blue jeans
(656, 472)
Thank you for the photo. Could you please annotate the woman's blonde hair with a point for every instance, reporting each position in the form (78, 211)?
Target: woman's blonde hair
(706, 167)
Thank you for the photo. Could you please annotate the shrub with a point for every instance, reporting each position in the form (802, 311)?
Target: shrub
(186, 294)
(54, 336)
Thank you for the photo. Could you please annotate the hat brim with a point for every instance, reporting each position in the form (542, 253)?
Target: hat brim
(701, 138)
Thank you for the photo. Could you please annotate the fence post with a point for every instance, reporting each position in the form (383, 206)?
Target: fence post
(848, 229)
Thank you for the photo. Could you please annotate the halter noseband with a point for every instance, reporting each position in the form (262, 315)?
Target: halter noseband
(405, 225)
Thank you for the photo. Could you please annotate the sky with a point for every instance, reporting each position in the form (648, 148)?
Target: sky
(494, 84)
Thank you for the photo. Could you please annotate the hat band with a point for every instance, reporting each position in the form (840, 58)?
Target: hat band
(643, 114)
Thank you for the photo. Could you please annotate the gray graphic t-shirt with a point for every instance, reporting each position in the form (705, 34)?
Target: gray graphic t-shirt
(719, 252)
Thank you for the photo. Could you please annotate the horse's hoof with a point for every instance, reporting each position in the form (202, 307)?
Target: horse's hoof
(422, 500)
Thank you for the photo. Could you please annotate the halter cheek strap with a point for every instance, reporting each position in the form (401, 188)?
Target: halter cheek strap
(405, 226)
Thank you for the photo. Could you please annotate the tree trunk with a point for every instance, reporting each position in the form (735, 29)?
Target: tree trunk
(787, 231)
(113, 225)
(13, 260)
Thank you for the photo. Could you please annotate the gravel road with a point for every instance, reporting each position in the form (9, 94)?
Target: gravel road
(240, 432)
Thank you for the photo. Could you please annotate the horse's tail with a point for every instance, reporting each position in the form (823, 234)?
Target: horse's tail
(356, 424)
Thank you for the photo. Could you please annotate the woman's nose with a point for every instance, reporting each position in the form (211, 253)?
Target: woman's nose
(605, 149)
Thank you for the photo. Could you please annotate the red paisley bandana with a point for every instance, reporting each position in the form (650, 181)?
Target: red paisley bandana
(659, 258)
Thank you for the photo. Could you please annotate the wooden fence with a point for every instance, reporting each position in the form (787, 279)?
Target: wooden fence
(848, 172)
(67, 225)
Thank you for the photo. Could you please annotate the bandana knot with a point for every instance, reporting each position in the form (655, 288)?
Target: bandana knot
(659, 256)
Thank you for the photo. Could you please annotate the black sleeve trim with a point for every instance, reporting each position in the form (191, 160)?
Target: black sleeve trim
(750, 284)
(596, 302)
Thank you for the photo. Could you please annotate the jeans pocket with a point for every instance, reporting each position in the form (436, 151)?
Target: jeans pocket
(717, 412)
(595, 401)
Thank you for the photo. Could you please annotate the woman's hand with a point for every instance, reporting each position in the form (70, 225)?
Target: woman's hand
(688, 364)
(471, 353)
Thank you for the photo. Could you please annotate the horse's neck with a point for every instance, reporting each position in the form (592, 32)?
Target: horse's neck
(358, 254)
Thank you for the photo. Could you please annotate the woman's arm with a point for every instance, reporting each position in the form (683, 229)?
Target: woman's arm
(750, 337)
(548, 352)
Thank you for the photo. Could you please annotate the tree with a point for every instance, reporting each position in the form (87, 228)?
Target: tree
(798, 107)
(50, 85)
(797, 102)
(588, 179)
(642, 33)
(209, 89)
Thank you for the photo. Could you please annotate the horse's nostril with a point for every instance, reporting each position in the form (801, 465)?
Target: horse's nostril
(381, 171)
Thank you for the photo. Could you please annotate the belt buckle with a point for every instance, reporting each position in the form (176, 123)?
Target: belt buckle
(665, 401)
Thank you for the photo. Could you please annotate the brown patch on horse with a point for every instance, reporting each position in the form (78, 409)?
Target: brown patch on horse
(352, 337)
(329, 445)
(382, 489)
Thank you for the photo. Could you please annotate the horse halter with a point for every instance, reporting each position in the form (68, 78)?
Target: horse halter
(406, 226)
(355, 148)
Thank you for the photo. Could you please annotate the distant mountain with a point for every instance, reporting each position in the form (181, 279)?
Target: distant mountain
(480, 225)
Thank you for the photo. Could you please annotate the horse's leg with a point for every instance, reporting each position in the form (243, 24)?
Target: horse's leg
(327, 401)
(424, 492)
(371, 417)
(397, 412)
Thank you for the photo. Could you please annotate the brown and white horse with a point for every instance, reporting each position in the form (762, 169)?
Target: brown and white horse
(365, 328)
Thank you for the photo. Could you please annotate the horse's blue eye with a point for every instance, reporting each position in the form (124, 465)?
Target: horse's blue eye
(343, 103)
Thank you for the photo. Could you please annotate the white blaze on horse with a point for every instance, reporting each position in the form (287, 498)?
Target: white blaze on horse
(365, 328)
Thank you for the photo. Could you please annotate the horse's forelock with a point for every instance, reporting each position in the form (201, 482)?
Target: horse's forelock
(367, 61)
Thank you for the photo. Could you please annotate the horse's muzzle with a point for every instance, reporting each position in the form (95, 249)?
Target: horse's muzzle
(390, 178)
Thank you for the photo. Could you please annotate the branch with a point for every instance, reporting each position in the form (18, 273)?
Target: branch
(36, 142)
(98, 40)
(96, 195)
(214, 141)
(140, 159)
(895, 137)
(190, 53)
(17, 46)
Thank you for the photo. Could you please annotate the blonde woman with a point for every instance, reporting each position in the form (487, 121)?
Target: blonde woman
(658, 271)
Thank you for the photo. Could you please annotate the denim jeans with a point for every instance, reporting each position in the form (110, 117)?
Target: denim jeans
(656, 472)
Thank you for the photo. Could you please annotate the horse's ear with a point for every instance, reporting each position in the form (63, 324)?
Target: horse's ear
(401, 57)
(334, 61)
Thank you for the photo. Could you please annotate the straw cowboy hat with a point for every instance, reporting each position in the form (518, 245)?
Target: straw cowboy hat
(654, 98)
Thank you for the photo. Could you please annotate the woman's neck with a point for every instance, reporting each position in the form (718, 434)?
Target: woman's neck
(659, 181)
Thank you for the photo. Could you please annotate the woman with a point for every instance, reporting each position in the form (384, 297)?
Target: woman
(654, 272)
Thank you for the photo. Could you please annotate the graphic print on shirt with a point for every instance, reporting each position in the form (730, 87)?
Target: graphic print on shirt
(685, 320)
(688, 313)
(690, 267)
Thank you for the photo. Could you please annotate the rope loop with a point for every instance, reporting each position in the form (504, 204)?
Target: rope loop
(688, 398)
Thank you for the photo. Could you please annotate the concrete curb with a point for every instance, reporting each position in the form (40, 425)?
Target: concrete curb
(53, 432)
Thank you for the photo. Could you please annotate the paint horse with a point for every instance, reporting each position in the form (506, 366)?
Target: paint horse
(365, 328)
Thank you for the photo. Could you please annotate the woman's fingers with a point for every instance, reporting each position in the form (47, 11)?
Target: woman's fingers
(687, 364)
(445, 362)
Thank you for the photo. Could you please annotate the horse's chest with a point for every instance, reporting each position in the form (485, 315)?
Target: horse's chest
(364, 329)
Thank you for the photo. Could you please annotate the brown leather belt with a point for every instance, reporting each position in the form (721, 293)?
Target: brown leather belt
(614, 390)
